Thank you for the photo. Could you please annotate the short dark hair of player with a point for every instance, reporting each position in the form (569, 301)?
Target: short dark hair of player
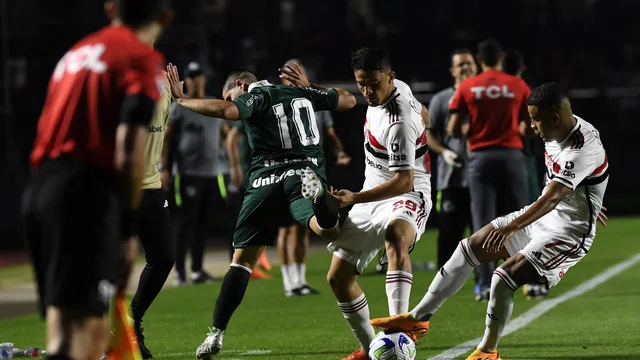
(489, 50)
(245, 75)
(370, 59)
(548, 97)
(460, 51)
(136, 13)
(512, 62)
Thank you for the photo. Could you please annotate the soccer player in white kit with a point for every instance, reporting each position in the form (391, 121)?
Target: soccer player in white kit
(543, 240)
(393, 206)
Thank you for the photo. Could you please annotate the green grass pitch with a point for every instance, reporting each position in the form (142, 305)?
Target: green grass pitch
(602, 324)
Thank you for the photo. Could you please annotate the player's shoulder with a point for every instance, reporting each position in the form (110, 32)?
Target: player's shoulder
(403, 99)
(585, 138)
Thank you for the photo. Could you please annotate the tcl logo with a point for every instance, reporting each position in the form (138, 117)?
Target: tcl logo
(492, 92)
(85, 57)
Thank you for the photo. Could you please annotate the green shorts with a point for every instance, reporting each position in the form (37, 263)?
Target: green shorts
(271, 200)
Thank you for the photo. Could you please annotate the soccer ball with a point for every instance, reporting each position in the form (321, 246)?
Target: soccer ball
(392, 345)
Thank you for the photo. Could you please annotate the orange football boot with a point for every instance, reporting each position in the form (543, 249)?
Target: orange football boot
(484, 355)
(404, 322)
(259, 274)
(357, 355)
(264, 262)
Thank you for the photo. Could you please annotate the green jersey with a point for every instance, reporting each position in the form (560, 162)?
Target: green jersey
(281, 126)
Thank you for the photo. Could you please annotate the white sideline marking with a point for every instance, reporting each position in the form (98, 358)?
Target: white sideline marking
(544, 306)
(235, 352)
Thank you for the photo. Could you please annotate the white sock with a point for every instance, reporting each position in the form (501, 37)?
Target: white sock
(286, 276)
(356, 312)
(398, 286)
(499, 308)
(294, 276)
(302, 274)
(449, 279)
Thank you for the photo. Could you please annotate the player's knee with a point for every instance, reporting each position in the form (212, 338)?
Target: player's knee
(397, 243)
(476, 240)
(338, 281)
(521, 270)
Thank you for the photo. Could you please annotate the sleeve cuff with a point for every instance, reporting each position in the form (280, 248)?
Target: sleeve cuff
(564, 182)
(400, 167)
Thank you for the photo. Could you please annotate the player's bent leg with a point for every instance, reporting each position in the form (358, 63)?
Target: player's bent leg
(330, 234)
(515, 272)
(448, 281)
(231, 294)
(399, 236)
(352, 302)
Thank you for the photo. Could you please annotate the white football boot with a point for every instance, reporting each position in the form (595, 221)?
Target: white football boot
(211, 345)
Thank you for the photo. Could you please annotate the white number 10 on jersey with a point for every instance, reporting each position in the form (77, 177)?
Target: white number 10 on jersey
(307, 133)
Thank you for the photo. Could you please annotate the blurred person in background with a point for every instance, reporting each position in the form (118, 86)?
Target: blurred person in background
(293, 240)
(453, 203)
(496, 104)
(513, 64)
(80, 206)
(201, 173)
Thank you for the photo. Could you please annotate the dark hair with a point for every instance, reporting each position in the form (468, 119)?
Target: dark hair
(512, 63)
(489, 50)
(459, 51)
(135, 13)
(245, 75)
(370, 59)
(546, 96)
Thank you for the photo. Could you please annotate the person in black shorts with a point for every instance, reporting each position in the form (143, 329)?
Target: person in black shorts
(79, 206)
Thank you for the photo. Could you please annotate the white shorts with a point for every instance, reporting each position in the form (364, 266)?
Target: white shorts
(551, 253)
(363, 233)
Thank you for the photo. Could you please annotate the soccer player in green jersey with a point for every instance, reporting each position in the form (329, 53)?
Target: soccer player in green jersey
(287, 171)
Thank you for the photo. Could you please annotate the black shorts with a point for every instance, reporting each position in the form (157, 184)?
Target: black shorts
(71, 213)
(153, 226)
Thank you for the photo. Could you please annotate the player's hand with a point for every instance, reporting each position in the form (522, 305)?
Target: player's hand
(165, 179)
(175, 85)
(344, 197)
(129, 253)
(236, 176)
(451, 158)
(496, 239)
(602, 218)
(295, 75)
(343, 159)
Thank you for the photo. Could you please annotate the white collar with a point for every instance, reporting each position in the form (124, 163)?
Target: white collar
(259, 83)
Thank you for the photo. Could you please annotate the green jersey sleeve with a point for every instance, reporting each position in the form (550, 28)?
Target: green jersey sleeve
(322, 99)
(249, 104)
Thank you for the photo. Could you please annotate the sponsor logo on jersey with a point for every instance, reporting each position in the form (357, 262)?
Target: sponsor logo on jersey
(567, 173)
(274, 179)
(492, 92)
(268, 163)
(372, 163)
(155, 129)
(397, 157)
(569, 165)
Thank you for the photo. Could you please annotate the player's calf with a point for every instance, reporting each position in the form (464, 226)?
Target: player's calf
(351, 300)
(75, 334)
(398, 239)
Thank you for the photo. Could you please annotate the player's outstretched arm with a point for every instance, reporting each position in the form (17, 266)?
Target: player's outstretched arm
(400, 183)
(297, 77)
(209, 107)
(554, 193)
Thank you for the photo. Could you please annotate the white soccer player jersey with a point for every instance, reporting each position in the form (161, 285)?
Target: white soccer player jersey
(579, 162)
(395, 139)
